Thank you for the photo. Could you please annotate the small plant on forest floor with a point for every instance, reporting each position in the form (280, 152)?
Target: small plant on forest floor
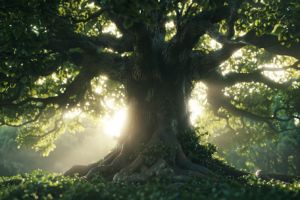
(42, 185)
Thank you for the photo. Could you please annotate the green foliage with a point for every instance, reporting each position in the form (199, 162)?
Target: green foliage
(253, 97)
(199, 152)
(42, 185)
(27, 28)
(136, 11)
(279, 156)
(152, 151)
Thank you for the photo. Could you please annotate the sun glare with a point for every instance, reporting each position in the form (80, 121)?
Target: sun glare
(113, 125)
(196, 110)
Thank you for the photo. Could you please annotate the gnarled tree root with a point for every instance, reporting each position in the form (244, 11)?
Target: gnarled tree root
(117, 167)
(138, 172)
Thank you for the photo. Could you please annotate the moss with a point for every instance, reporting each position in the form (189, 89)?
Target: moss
(199, 152)
(42, 185)
(152, 151)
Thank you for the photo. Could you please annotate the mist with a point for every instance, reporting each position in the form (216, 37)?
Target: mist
(71, 149)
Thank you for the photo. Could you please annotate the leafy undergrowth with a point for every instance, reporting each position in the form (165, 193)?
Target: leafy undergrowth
(42, 185)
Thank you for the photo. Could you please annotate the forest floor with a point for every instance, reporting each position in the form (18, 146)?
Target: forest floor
(42, 185)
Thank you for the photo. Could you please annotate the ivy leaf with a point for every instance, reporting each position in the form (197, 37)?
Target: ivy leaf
(277, 29)
(24, 79)
(128, 23)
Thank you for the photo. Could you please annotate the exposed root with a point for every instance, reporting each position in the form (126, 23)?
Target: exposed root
(116, 166)
(185, 163)
(125, 174)
(138, 172)
(110, 157)
(188, 173)
(275, 176)
(82, 170)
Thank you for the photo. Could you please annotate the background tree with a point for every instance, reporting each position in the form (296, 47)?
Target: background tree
(280, 155)
(54, 52)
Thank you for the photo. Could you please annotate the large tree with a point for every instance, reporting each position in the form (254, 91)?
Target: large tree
(54, 53)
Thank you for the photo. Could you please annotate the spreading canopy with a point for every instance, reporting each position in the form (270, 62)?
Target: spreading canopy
(58, 56)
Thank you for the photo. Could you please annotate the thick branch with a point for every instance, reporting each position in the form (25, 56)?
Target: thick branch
(217, 99)
(70, 91)
(94, 15)
(231, 19)
(14, 97)
(106, 64)
(109, 41)
(118, 21)
(233, 78)
(201, 64)
(192, 30)
(91, 45)
(271, 44)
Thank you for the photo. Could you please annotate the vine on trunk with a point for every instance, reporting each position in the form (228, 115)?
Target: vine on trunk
(153, 151)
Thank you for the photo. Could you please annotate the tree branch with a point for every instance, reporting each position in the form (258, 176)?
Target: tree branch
(234, 78)
(118, 21)
(71, 90)
(94, 15)
(192, 30)
(91, 45)
(14, 97)
(109, 41)
(55, 128)
(41, 109)
(218, 100)
(232, 18)
(202, 64)
(111, 65)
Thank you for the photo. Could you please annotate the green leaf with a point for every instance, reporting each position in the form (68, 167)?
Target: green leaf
(24, 79)
(128, 23)
(277, 29)
(66, 64)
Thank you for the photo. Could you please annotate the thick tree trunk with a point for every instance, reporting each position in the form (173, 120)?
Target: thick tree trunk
(154, 115)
